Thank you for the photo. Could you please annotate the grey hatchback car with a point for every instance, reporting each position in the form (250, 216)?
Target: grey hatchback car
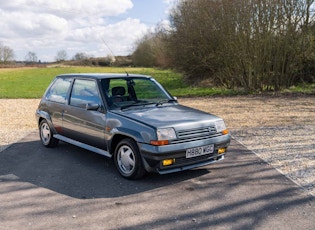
(132, 119)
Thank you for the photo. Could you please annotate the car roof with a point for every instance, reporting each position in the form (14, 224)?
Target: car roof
(102, 75)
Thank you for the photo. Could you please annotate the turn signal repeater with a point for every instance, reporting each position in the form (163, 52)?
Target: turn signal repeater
(159, 143)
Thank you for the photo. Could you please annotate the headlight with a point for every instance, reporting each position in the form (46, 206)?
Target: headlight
(220, 126)
(166, 134)
(163, 136)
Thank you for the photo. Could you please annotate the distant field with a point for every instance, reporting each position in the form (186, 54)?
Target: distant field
(32, 82)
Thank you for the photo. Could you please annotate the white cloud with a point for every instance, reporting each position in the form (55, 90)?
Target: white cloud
(170, 3)
(31, 25)
(69, 8)
(45, 27)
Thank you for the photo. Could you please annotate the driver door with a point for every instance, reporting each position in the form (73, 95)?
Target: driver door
(84, 118)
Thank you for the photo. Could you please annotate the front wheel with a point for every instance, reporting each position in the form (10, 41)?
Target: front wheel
(128, 160)
(46, 135)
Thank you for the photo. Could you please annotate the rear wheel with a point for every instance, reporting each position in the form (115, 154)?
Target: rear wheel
(128, 160)
(46, 135)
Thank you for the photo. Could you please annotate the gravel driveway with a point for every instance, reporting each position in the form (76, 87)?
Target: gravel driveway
(280, 130)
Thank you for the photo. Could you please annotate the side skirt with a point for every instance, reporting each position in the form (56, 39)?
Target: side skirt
(82, 145)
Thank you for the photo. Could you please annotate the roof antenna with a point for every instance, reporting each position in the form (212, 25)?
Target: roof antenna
(112, 53)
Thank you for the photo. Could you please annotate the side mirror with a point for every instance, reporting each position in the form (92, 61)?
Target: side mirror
(92, 106)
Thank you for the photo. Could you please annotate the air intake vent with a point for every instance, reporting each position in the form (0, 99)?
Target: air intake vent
(196, 134)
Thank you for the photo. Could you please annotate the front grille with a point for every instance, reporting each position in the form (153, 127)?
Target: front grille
(196, 134)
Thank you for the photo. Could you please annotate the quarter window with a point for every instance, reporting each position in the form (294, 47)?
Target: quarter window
(58, 90)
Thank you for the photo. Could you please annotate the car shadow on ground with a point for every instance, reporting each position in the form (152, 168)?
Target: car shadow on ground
(78, 173)
(240, 192)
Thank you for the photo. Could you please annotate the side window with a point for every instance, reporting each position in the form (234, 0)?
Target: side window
(58, 90)
(84, 92)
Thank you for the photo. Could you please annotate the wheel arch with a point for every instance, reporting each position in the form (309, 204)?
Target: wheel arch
(116, 139)
(138, 169)
(42, 115)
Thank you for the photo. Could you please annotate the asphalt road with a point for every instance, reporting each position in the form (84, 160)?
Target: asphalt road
(70, 188)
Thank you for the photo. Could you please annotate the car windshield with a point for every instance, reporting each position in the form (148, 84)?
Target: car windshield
(130, 92)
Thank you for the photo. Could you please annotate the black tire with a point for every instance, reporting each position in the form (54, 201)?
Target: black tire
(46, 135)
(128, 160)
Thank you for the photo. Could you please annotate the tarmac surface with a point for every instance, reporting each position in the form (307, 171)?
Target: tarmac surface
(70, 188)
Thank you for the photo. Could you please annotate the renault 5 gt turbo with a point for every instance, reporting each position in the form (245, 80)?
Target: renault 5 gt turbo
(132, 119)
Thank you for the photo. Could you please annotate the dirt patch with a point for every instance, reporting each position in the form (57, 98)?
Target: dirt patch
(243, 112)
(17, 119)
(281, 130)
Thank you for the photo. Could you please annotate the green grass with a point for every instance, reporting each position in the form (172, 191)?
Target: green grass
(32, 82)
(302, 88)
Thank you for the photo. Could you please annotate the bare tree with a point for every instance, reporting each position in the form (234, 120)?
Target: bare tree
(31, 57)
(61, 56)
(144, 53)
(6, 53)
(254, 44)
(151, 49)
(80, 57)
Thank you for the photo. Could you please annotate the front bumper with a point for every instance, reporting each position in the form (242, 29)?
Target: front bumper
(154, 155)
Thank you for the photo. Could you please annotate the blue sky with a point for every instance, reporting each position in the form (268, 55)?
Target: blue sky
(149, 11)
(46, 27)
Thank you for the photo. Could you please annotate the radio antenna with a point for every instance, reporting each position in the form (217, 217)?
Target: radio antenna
(112, 53)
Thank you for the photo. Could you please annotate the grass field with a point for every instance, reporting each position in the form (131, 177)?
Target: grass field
(32, 82)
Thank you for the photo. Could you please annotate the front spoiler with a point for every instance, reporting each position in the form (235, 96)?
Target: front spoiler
(197, 165)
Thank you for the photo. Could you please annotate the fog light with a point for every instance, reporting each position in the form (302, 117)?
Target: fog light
(221, 150)
(168, 162)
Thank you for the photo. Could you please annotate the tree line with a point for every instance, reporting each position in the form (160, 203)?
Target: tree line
(7, 55)
(255, 45)
(80, 58)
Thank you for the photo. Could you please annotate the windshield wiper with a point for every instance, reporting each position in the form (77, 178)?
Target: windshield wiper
(165, 101)
(137, 103)
(143, 103)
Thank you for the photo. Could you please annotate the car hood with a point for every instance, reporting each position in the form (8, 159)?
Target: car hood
(169, 116)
